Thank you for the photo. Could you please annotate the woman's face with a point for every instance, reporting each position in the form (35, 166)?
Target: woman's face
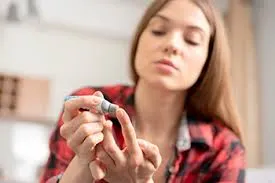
(173, 48)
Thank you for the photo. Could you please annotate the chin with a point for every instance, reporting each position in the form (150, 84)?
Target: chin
(166, 84)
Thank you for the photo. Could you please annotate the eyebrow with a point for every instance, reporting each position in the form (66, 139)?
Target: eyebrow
(162, 17)
(194, 27)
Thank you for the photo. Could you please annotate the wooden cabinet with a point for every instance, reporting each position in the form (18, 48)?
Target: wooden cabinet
(23, 97)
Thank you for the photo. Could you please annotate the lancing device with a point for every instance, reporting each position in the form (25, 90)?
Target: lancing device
(103, 107)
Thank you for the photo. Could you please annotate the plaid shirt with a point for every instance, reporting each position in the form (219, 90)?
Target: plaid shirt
(206, 151)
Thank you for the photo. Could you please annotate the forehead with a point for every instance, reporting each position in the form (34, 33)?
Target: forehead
(184, 12)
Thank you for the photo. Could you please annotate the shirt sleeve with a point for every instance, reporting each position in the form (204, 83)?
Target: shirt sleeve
(54, 179)
(231, 165)
(59, 157)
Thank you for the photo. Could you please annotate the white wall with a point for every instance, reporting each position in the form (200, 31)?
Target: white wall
(78, 44)
(21, 154)
(69, 60)
(265, 27)
(109, 17)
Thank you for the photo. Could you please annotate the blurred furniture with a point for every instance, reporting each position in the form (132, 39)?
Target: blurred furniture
(23, 97)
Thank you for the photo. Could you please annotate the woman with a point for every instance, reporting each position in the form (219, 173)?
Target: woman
(182, 124)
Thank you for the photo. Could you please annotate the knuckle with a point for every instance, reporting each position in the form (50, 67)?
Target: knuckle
(70, 143)
(123, 163)
(92, 140)
(86, 116)
(99, 138)
(85, 129)
(108, 148)
(155, 148)
(160, 160)
(63, 131)
(135, 161)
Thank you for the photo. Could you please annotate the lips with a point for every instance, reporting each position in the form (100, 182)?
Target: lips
(167, 62)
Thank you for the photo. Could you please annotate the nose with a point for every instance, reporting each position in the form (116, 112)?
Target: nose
(174, 45)
(171, 50)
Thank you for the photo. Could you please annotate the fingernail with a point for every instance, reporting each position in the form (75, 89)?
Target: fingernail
(109, 124)
(97, 100)
(120, 112)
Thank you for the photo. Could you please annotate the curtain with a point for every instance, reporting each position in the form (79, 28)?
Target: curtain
(238, 21)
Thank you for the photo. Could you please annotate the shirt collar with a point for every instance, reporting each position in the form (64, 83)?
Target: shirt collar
(195, 133)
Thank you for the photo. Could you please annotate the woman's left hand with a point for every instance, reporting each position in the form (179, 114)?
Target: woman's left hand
(136, 163)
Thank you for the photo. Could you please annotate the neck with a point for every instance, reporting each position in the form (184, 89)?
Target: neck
(159, 109)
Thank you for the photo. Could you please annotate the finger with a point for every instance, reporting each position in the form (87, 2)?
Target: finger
(72, 106)
(110, 145)
(98, 94)
(103, 157)
(84, 131)
(98, 170)
(66, 117)
(69, 128)
(89, 144)
(129, 135)
(151, 152)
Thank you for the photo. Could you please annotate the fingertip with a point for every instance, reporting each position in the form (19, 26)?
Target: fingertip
(142, 143)
(99, 94)
(70, 97)
(119, 112)
(109, 124)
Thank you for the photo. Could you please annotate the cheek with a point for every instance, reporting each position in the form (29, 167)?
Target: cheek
(148, 43)
(143, 53)
(140, 60)
(194, 67)
(199, 60)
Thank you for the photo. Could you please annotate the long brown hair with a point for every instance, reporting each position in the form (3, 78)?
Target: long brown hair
(211, 96)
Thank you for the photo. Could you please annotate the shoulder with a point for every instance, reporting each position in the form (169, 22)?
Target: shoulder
(215, 136)
(225, 139)
(213, 133)
(226, 161)
(223, 145)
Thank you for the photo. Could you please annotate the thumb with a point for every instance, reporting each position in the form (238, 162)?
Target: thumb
(98, 170)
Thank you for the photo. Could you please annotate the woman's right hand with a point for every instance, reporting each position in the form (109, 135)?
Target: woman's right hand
(82, 129)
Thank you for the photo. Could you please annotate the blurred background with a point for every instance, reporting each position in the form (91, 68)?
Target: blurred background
(49, 48)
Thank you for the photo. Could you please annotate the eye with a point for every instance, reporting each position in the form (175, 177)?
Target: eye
(193, 39)
(158, 32)
(191, 42)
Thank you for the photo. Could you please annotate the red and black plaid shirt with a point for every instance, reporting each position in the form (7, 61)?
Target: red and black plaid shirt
(215, 154)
